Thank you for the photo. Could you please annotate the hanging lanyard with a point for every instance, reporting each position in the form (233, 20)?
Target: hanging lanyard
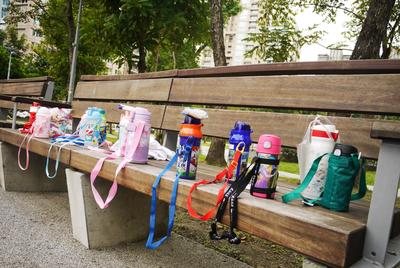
(150, 239)
(114, 187)
(231, 195)
(226, 174)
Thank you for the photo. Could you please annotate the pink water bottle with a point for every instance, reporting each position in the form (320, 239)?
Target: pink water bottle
(268, 151)
(41, 126)
(139, 130)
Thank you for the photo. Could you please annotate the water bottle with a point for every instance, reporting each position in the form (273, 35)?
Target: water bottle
(140, 155)
(41, 125)
(264, 185)
(94, 119)
(190, 128)
(103, 125)
(240, 134)
(32, 116)
(321, 142)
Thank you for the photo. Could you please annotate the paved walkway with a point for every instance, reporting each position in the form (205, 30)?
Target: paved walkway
(35, 231)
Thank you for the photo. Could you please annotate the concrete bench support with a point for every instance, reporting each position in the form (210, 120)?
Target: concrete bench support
(125, 220)
(12, 178)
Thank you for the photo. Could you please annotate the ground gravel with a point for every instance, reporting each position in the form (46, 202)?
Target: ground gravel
(35, 231)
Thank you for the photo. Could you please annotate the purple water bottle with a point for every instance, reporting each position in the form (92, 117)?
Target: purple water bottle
(240, 134)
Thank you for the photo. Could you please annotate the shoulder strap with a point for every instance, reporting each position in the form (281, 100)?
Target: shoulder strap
(114, 187)
(231, 195)
(296, 193)
(57, 159)
(150, 239)
(362, 187)
(26, 151)
(227, 174)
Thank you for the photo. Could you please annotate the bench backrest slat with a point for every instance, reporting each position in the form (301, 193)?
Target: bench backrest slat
(113, 114)
(128, 90)
(241, 93)
(34, 89)
(290, 127)
(377, 94)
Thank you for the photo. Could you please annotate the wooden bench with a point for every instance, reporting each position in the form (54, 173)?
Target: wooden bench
(335, 239)
(20, 93)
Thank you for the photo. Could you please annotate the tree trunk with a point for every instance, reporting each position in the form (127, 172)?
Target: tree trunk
(373, 31)
(142, 59)
(217, 33)
(216, 152)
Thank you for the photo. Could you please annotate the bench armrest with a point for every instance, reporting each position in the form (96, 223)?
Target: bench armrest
(386, 130)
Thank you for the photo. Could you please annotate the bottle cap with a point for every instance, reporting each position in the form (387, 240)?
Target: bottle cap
(239, 125)
(269, 144)
(344, 149)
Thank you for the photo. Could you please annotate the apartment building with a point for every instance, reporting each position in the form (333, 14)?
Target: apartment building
(30, 29)
(236, 30)
(3, 12)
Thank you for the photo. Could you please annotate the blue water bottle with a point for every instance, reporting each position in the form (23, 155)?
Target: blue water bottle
(240, 134)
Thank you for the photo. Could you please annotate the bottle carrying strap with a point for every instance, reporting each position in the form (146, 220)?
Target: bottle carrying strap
(227, 174)
(151, 244)
(57, 158)
(27, 138)
(296, 193)
(362, 187)
(231, 195)
(65, 140)
(114, 187)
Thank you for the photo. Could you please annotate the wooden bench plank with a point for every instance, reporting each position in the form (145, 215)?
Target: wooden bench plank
(10, 104)
(292, 68)
(113, 114)
(312, 67)
(28, 79)
(24, 88)
(38, 146)
(161, 74)
(290, 127)
(352, 93)
(136, 90)
(386, 130)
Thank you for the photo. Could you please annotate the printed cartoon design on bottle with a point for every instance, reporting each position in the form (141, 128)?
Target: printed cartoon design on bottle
(190, 130)
(268, 151)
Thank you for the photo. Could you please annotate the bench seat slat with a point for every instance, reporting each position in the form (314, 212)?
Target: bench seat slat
(38, 146)
(136, 90)
(353, 93)
(113, 114)
(290, 127)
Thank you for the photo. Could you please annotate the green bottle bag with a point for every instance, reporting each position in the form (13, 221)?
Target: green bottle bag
(341, 175)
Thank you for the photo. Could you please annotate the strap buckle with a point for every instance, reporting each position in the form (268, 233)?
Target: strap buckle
(234, 163)
(243, 147)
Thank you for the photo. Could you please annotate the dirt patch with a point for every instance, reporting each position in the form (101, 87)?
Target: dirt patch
(253, 250)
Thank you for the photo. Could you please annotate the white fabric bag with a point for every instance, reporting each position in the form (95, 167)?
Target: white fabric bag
(320, 138)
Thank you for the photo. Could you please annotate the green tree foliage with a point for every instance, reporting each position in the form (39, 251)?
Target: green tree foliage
(54, 51)
(156, 30)
(280, 40)
(52, 56)
(10, 42)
